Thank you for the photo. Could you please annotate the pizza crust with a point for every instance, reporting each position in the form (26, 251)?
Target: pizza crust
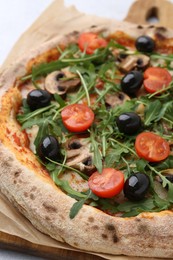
(47, 207)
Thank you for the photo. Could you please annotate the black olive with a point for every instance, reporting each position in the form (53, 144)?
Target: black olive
(145, 44)
(132, 82)
(38, 98)
(129, 123)
(136, 186)
(50, 148)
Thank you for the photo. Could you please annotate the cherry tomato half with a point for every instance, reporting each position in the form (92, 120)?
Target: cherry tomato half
(106, 184)
(151, 147)
(156, 79)
(90, 42)
(77, 117)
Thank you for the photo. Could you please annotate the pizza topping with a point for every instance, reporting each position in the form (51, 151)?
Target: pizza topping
(156, 79)
(92, 141)
(89, 42)
(132, 82)
(106, 184)
(152, 147)
(145, 43)
(131, 62)
(168, 174)
(57, 82)
(79, 155)
(49, 148)
(116, 99)
(129, 123)
(77, 117)
(38, 98)
(136, 186)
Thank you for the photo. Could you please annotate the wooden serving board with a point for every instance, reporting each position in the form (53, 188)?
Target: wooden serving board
(141, 12)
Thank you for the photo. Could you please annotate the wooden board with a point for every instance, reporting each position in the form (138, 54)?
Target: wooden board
(151, 12)
(139, 13)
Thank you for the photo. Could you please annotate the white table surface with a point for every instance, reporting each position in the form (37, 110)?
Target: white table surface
(17, 15)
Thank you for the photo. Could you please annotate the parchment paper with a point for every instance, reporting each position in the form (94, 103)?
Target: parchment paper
(55, 20)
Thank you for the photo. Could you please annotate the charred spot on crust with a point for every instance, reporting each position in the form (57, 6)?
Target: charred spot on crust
(6, 164)
(95, 227)
(17, 173)
(25, 194)
(34, 188)
(49, 208)
(32, 196)
(91, 219)
(142, 228)
(104, 236)
(140, 27)
(115, 238)
(110, 227)
(47, 218)
(137, 219)
(93, 26)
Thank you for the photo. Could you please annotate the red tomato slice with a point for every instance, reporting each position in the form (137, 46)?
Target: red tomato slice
(90, 42)
(152, 147)
(156, 79)
(106, 184)
(77, 117)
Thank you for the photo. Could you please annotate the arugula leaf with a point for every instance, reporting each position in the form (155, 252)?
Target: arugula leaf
(42, 132)
(152, 112)
(166, 164)
(97, 160)
(24, 117)
(141, 165)
(113, 155)
(59, 99)
(161, 203)
(78, 205)
(144, 205)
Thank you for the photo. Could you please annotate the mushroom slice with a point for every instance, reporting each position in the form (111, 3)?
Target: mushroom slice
(116, 99)
(79, 155)
(140, 61)
(168, 173)
(58, 82)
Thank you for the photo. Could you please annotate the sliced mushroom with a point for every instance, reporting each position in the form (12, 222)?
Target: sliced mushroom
(116, 99)
(79, 155)
(140, 61)
(168, 173)
(60, 83)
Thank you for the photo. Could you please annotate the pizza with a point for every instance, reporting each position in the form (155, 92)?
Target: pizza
(86, 139)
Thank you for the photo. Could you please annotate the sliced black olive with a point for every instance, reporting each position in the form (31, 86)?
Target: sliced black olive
(145, 44)
(38, 98)
(136, 186)
(50, 148)
(132, 82)
(129, 123)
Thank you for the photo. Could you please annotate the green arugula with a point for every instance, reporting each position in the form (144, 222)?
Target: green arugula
(110, 148)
